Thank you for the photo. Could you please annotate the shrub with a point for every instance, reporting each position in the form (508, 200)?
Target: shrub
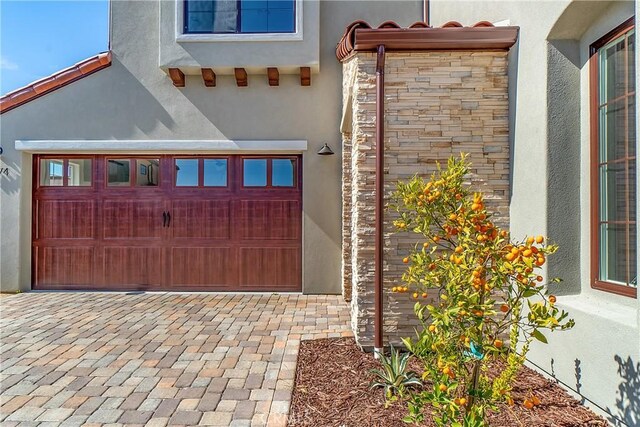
(394, 376)
(484, 281)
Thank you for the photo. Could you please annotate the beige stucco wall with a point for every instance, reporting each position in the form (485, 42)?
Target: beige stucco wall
(437, 105)
(549, 114)
(135, 100)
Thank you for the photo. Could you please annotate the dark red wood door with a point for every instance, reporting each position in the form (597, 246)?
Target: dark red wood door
(167, 223)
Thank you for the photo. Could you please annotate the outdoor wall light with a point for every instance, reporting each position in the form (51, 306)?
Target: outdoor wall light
(325, 150)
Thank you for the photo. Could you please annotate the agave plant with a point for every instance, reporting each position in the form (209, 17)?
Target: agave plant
(394, 376)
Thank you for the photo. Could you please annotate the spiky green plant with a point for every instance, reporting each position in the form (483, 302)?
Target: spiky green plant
(394, 376)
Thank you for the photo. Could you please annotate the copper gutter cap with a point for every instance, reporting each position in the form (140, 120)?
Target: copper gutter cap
(55, 81)
(360, 37)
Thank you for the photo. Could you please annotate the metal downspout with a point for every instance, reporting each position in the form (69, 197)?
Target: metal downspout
(379, 225)
(425, 12)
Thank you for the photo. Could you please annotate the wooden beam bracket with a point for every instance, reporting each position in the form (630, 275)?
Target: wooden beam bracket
(209, 77)
(274, 76)
(177, 77)
(241, 77)
(305, 76)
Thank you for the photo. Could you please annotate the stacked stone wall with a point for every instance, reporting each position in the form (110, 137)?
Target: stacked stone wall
(437, 104)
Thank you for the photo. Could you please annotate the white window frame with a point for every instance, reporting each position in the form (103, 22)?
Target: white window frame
(181, 37)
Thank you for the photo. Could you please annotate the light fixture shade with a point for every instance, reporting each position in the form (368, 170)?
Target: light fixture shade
(326, 150)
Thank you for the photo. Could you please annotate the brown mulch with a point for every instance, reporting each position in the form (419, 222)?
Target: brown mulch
(332, 389)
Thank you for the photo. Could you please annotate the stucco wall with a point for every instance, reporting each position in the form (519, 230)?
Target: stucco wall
(549, 114)
(437, 105)
(135, 100)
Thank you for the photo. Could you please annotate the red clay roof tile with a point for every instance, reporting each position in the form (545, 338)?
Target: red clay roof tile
(360, 36)
(48, 84)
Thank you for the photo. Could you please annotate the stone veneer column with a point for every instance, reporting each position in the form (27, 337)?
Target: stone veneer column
(437, 104)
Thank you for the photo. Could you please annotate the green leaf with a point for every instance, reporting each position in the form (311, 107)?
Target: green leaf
(539, 336)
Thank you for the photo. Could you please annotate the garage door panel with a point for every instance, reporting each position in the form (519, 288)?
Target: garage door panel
(201, 219)
(141, 267)
(60, 267)
(132, 219)
(210, 267)
(222, 235)
(268, 219)
(275, 268)
(65, 219)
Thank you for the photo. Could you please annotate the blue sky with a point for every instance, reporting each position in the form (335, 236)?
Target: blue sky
(39, 38)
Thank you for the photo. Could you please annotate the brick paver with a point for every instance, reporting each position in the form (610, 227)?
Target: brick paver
(156, 358)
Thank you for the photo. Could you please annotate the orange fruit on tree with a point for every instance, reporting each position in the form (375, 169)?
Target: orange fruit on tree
(432, 328)
(530, 241)
(405, 260)
(424, 295)
(539, 278)
(528, 404)
(498, 343)
(415, 295)
(552, 299)
(535, 400)
(539, 239)
(463, 401)
(504, 308)
(459, 249)
(442, 387)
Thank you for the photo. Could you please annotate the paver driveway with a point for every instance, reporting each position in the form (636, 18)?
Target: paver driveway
(156, 358)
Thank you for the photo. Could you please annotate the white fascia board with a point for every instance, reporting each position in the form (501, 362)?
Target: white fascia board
(161, 146)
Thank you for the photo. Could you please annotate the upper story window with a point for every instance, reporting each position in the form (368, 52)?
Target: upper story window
(613, 139)
(239, 16)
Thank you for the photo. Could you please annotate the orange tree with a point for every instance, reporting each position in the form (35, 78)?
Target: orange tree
(491, 301)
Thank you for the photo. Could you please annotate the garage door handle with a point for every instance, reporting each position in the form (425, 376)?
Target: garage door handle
(164, 219)
(168, 219)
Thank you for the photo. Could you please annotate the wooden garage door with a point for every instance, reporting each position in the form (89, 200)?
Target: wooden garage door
(122, 222)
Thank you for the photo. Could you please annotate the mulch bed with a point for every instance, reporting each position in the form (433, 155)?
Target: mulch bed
(332, 389)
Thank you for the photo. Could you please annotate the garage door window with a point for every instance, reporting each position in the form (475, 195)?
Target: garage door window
(254, 172)
(65, 172)
(202, 172)
(215, 172)
(119, 171)
(147, 172)
(283, 173)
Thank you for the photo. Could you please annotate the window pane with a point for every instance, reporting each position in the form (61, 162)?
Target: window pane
(612, 70)
(283, 172)
(633, 255)
(255, 172)
(51, 172)
(199, 16)
(215, 172)
(613, 192)
(186, 172)
(254, 21)
(119, 171)
(225, 16)
(79, 173)
(281, 21)
(148, 172)
(632, 126)
(613, 253)
(613, 131)
(631, 46)
(632, 190)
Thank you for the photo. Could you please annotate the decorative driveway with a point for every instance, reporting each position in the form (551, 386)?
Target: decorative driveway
(156, 358)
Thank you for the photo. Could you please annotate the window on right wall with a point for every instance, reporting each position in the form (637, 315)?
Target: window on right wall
(613, 158)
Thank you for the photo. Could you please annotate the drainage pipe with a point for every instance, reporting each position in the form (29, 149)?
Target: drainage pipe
(425, 11)
(379, 212)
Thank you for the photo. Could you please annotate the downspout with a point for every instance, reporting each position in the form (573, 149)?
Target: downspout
(379, 226)
(425, 12)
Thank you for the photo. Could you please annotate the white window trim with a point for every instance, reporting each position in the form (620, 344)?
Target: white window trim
(161, 146)
(263, 37)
